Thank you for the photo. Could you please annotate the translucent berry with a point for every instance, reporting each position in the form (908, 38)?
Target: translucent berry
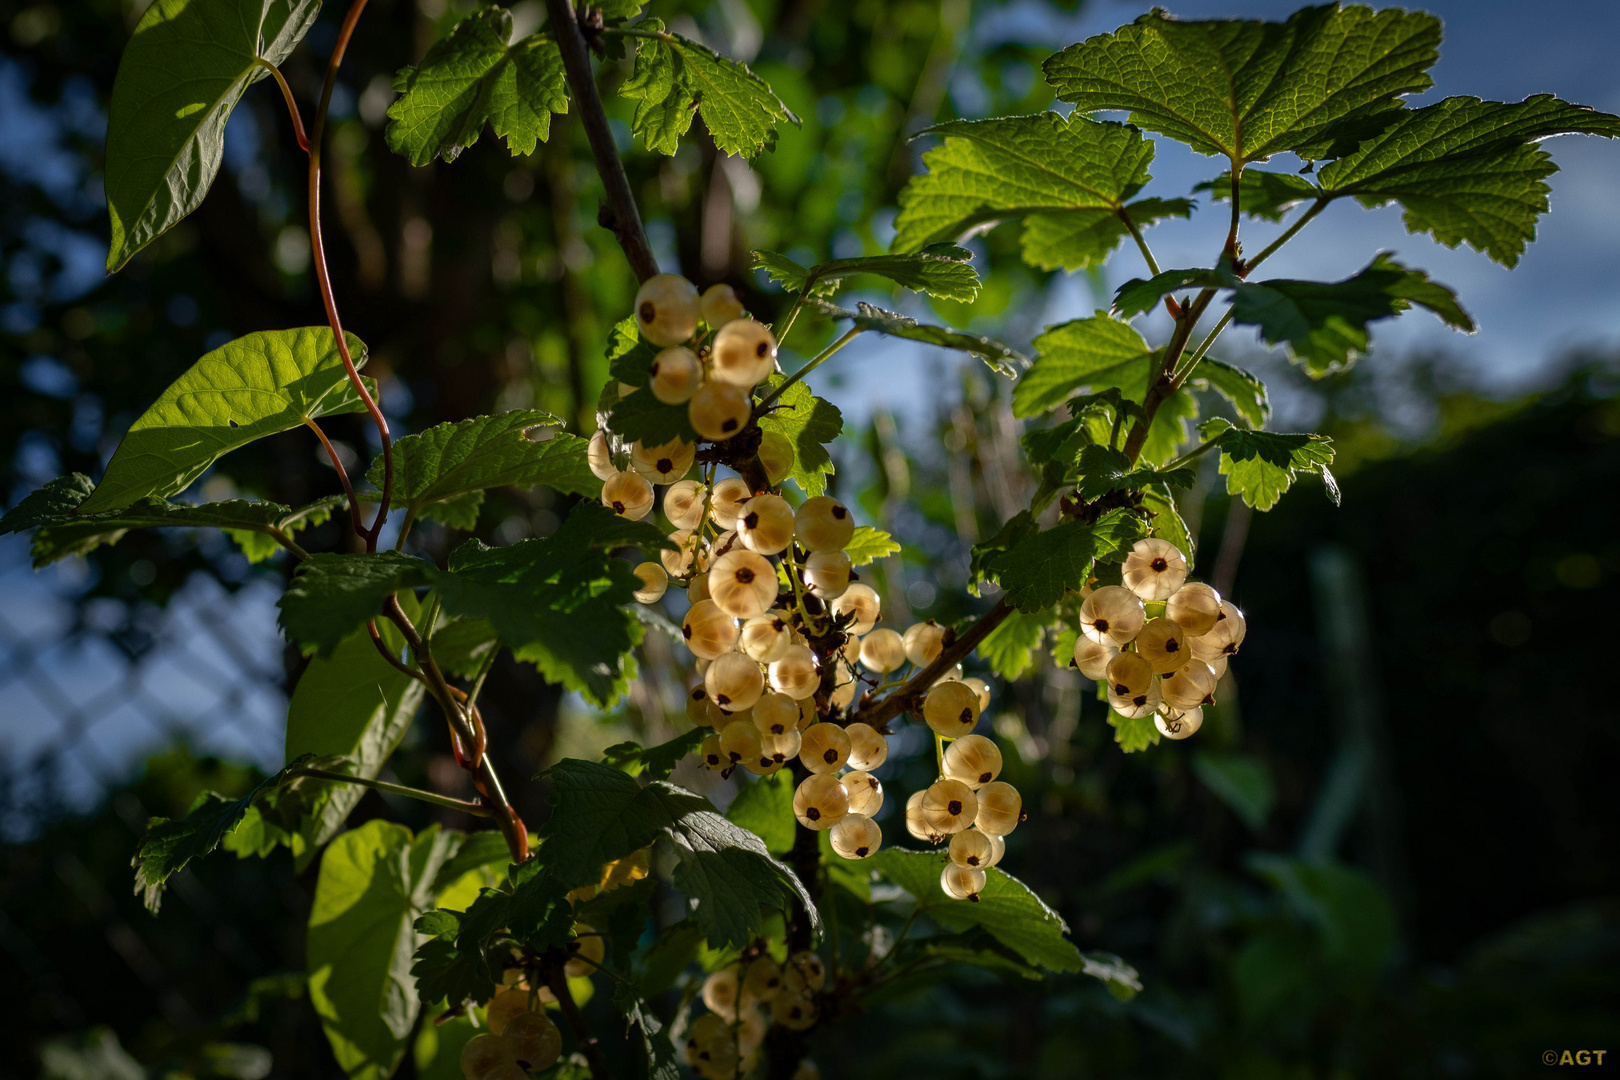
(824, 524)
(962, 882)
(1093, 657)
(856, 836)
(679, 561)
(683, 504)
(998, 848)
(744, 353)
(663, 464)
(1000, 807)
(1218, 665)
(482, 1054)
(765, 638)
(1194, 607)
(1135, 706)
(883, 651)
(676, 374)
(1163, 644)
(729, 496)
(628, 494)
(503, 1007)
(718, 410)
(843, 695)
(712, 755)
(951, 709)
(742, 583)
(824, 748)
(762, 980)
(820, 801)
(1112, 614)
(734, 681)
(811, 973)
(719, 305)
(916, 824)
(765, 524)
(924, 641)
(667, 309)
(807, 713)
(653, 582)
(600, 457)
(971, 847)
(720, 992)
(708, 630)
(1189, 686)
(1154, 569)
(700, 710)
(796, 673)
(948, 806)
(697, 589)
(775, 714)
(780, 747)
(860, 603)
(1129, 674)
(867, 748)
(793, 1013)
(1178, 723)
(865, 792)
(776, 454)
(974, 760)
(534, 1041)
(980, 688)
(1224, 638)
(826, 573)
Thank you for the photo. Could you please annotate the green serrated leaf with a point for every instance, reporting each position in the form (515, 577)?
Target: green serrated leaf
(1137, 297)
(332, 595)
(808, 423)
(1064, 177)
(185, 67)
(1324, 324)
(1262, 194)
(1096, 353)
(1007, 909)
(436, 470)
(1010, 648)
(867, 544)
(642, 418)
(1133, 735)
(764, 806)
(1037, 570)
(656, 761)
(1466, 170)
(675, 76)
(1246, 393)
(1260, 465)
(1001, 359)
(1167, 521)
(630, 356)
(477, 76)
(942, 270)
(50, 504)
(781, 269)
(1248, 90)
(986, 555)
(1083, 239)
(242, 391)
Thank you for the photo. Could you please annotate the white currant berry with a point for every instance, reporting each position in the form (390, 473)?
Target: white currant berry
(663, 464)
(971, 847)
(820, 801)
(1178, 723)
(503, 1008)
(850, 650)
(776, 713)
(729, 496)
(676, 375)
(865, 792)
(796, 673)
(1112, 614)
(1189, 686)
(719, 305)
(981, 688)
(857, 836)
(1194, 607)
(697, 589)
(962, 882)
(739, 742)
(998, 848)
(807, 713)
(776, 454)
(916, 824)
(680, 560)
(765, 524)
(534, 1041)
(628, 494)
(952, 674)
(823, 524)
(734, 681)
(708, 630)
(752, 1027)
(1093, 657)
(683, 504)
(948, 806)
(482, 1054)
(860, 603)
(974, 760)
(700, 710)
(1218, 666)
(666, 309)
(600, 457)
(743, 583)
(507, 1070)
(1129, 675)
(718, 410)
(763, 765)
(951, 709)
(794, 1013)
(1154, 569)
(765, 638)
(744, 353)
(653, 582)
(844, 690)
(883, 651)
(1163, 644)
(1135, 706)
(867, 748)
(780, 748)
(721, 991)
(1224, 638)
(826, 574)
(1000, 807)
(762, 979)
(807, 970)
(924, 641)
(824, 748)
(711, 754)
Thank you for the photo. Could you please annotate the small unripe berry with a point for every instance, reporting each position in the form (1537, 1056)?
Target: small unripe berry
(744, 353)
(962, 882)
(739, 741)
(663, 464)
(653, 582)
(683, 504)
(676, 375)
(734, 681)
(806, 967)
(820, 801)
(795, 674)
(720, 993)
(762, 980)
(1129, 675)
(1093, 657)
(861, 603)
(824, 748)
(700, 710)
(708, 630)
(981, 688)
(883, 651)
(765, 524)
(782, 747)
(1000, 807)
(729, 496)
(794, 1013)
(599, 457)
(743, 583)
(948, 806)
(1194, 607)
(951, 709)
(1112, 614)
(1224, 638)
(826, 573)
(666, 309)
(718, 410)
(776, 454)
(865, 792)
(857, 836)
(629, 495)
(1178, 723)
(867, 748)
(1189, 686)
(719, 305)
(765, 638)
(971, 847)
(1135, 706)
(1154, 569)
(998, 848)
(924, 641)
(824, 524)
(974, 760)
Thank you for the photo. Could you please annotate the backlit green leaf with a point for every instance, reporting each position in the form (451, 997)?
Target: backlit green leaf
(943, 270)
(1133, 735)
(1136, 297)
(1246, 393)
(868, 544)
(1263, 194)
(333, 595)
(1037, 570)
(1260, 465)
(1000, 358)
(1010, 647)
(1098, 352)
(656, 761)
(808, 423)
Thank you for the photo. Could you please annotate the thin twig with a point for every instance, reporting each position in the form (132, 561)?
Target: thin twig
(906, 698)
(475, 809)
(292, 106)
(287, 542)
(1304, 219)
(382, 647)
(819, 359)
(1136, 234)
(1180, 377)
(343, 477)
(1191, 455)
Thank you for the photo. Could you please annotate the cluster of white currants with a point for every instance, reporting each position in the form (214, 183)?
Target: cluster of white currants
(1158, 643)
(744, 999)
(521, 1038)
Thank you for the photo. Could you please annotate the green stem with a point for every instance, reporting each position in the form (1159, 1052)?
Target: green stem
(292, 106)
(1180, 376)
(1196, 452)
(405, 528)
(793, 313)
(483, 673)
(1136, 234)
(1305, 219)
(287, 542)
(820, 358)
(475, 809)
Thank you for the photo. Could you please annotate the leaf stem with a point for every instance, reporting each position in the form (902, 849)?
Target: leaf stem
(1196, 452)
(1304, 219)
(382, 647)
(292, 106)
(280, 537)
(343, 477)
(620, 213)
(817, 361)
(1186, 369)
(1136, 234)
(877, 711)
(793, 313)
(475, 809)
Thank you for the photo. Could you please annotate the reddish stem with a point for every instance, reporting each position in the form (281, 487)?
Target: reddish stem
(292, 106)
(343, 475)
